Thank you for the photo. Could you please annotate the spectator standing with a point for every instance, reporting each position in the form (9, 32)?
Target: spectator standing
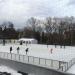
(27, 50)
(10, 49)
(18, 50)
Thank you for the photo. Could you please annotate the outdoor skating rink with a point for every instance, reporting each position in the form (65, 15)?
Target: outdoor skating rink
(43, 51)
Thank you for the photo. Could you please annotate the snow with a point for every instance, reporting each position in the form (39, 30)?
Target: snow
(42, 51)
(26, 39)
(8, 70)
(71, 70)
(37, 50)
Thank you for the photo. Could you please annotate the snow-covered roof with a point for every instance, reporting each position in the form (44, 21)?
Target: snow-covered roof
(26, 39)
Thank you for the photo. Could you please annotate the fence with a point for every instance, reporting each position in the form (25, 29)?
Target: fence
(48, 63)
(8, 41)
(71, 62)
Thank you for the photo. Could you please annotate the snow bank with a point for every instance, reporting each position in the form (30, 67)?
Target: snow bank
(8, 70)
(72, 69)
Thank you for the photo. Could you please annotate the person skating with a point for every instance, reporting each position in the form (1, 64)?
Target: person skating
(26, 50)
(51, 50)
(10, 49)
(18, 50)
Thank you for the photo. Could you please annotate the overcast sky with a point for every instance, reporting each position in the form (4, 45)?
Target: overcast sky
(18, 10)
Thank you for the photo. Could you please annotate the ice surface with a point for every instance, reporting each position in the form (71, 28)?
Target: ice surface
(42, 51)
(61, 54)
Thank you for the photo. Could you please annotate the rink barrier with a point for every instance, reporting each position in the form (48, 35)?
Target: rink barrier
(42, 62)
(71, 62)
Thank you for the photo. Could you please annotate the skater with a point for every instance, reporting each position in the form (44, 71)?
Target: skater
(26, 50)
(10, 49)
(51, 50)
(64, 46)
(55, 45)
(47, 45)
(3, 42)
(18, 50)
(21, 43)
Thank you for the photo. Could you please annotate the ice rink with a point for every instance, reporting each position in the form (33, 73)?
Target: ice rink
(42, 51)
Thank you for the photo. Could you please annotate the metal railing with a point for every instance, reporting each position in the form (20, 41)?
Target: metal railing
(48, 63)
(71, 62)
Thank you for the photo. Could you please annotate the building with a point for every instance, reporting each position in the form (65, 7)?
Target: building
(28, 41)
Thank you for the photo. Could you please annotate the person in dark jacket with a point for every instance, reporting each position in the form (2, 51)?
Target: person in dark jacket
(21, 43)
(10, 49)
(26, 50)
(18, 50)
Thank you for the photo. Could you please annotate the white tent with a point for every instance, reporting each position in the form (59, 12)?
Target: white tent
(28, 40)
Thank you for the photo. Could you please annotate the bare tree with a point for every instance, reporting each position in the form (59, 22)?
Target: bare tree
(48, 25)
(32, 23)
(10, 25)
(48, 28)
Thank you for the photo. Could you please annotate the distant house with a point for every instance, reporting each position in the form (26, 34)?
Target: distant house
(28, 41)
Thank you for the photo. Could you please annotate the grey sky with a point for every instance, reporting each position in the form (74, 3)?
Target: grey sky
(18, 10)
(72, 2)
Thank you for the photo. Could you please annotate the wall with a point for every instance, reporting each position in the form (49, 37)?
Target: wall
(30, 69)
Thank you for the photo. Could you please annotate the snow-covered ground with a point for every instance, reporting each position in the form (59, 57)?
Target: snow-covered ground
(42, 51)
(72, 69)
(8, 70)
(61, 54)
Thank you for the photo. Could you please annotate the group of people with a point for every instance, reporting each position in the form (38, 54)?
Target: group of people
(26, 50)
